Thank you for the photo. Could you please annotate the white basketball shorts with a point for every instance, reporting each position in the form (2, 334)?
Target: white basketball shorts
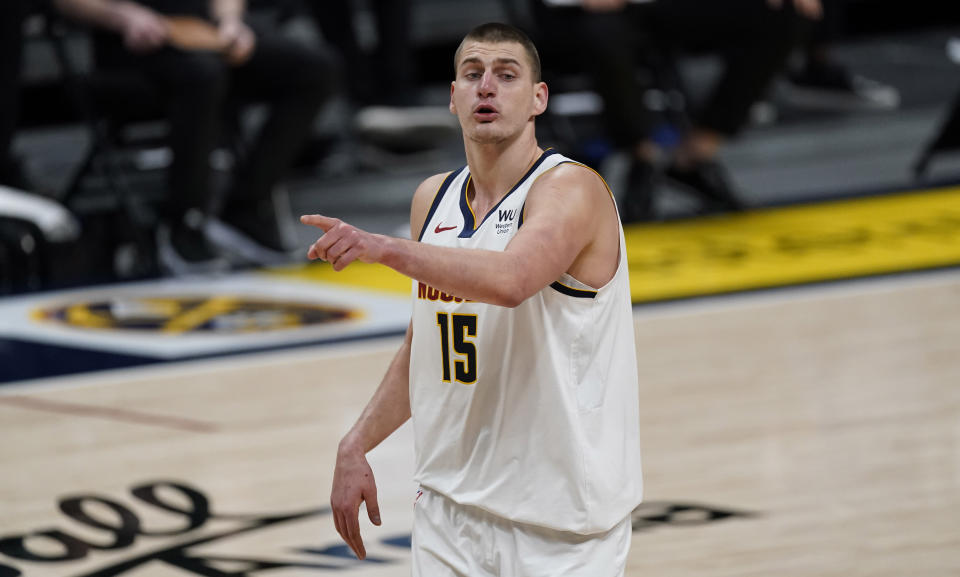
(450, 540)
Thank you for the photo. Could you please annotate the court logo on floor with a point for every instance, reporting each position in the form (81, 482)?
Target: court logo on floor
(220, 314)
(134, 324)
(652, 514)
(173, 525)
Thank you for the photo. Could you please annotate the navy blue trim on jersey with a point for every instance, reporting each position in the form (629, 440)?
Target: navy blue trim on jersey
(437, 198)
(523, 209)
(572, 292)
(468, 217)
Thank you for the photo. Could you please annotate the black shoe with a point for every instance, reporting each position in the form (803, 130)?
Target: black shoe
(182, 248)
(266, 222)
(255, 233)
(708, 180)
(637, 204)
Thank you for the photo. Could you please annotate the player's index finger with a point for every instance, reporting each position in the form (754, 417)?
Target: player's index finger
(324, 223)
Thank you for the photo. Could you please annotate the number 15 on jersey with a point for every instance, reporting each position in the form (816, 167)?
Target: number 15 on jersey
(462, 326)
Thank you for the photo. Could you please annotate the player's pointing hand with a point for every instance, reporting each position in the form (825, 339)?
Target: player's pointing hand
(341, 243)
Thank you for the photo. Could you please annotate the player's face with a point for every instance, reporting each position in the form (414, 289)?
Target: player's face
(494, 94)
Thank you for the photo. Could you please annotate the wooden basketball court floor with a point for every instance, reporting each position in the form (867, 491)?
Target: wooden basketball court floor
(806, 432)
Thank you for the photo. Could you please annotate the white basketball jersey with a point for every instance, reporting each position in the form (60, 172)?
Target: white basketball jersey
(529, 412)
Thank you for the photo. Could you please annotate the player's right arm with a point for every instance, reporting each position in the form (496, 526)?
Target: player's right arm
(353, 480)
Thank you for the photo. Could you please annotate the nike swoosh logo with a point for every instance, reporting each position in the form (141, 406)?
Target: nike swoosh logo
(440, 229)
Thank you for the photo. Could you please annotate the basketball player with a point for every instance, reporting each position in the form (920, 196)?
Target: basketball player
(518, 366)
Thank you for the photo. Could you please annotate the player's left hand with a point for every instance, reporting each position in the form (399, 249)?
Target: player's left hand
(341, 243)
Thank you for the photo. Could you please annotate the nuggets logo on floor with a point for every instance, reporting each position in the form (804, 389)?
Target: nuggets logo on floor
(193, 314)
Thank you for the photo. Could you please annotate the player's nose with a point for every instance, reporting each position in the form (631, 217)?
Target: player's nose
(488, 84)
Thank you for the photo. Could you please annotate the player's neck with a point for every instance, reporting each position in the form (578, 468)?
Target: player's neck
(496, 168)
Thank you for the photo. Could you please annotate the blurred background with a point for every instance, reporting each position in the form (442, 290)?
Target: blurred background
(689, 109)
(155, 156)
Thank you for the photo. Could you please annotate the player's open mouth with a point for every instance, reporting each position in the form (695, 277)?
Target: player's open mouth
(485, 113)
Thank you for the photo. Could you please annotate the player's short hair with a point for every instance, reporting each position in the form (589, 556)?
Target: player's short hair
(497, 32)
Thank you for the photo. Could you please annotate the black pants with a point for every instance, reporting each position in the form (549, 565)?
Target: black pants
(753, 39)
(197, 88)
(829, 29)
(11, 47)
(388, 74)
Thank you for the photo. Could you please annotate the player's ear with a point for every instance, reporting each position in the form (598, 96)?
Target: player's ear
(453, 107)
(541, 94)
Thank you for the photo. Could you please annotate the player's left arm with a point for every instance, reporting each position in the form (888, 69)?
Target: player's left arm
(562, 219)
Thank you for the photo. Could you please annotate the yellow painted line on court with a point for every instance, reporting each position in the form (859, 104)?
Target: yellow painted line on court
(758, 249)
(199, 315)
(791, 245)
(361, 275)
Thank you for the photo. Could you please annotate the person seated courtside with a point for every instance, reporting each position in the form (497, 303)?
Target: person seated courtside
(754, 37)
(200, 55)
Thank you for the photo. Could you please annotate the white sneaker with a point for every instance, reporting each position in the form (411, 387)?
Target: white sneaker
(234, 243)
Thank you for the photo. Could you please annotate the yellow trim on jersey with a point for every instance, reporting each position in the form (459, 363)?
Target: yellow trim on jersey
(602, 179)
(607, 186)
(445, 335)
(516, 185)
(466, 199)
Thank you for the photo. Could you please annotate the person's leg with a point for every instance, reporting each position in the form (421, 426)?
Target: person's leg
(395, 62)
(193, 87)
(755, 41)
(335, 19)
(608, 44)
(607, 49)
(295, 81)
(11, 46)
(823, 81)
(539, 552)
(445, 536)
(826, 31)
(615, 39)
